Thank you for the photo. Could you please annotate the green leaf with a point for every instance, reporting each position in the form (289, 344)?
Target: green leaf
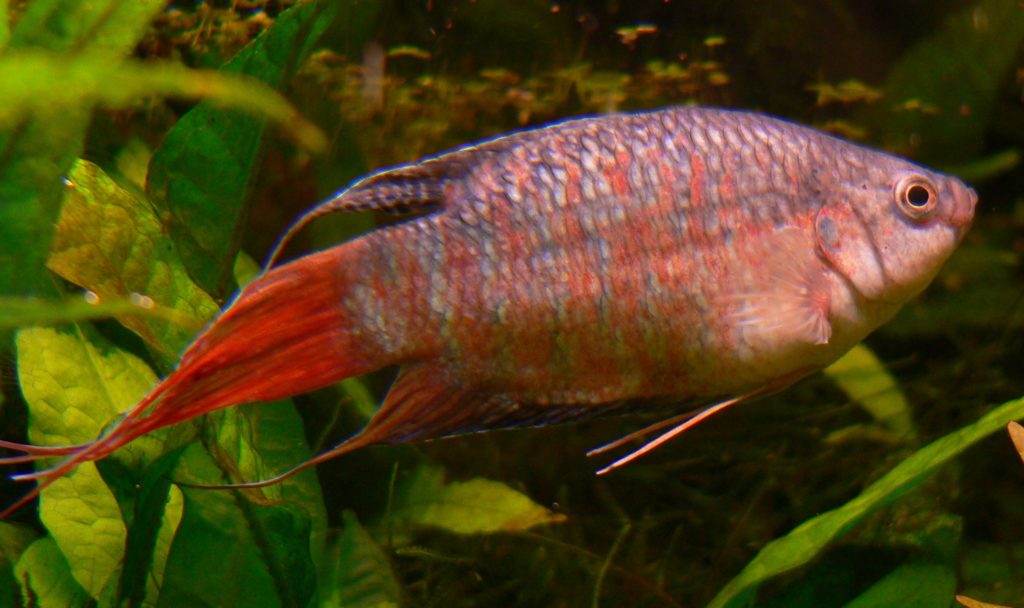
(157, 512)
(111, 243)
(35, 155)
(109, 26)
(356, 571)
(76, 383)
(22, 312)
(41, 84)
(364, 402)
(84, 519)
(945, 86)
(5, 26)
(14, 539)
(203, 172)
(913, 585)
(989, 167)
(217, 557)
(477, 506)
(251, 547)
(46, 579)
(809, 538)
(865, 380)
(173, 514)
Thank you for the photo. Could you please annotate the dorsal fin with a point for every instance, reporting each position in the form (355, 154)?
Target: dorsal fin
(408, 189)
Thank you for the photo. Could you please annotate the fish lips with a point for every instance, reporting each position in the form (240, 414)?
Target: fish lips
(965, 199)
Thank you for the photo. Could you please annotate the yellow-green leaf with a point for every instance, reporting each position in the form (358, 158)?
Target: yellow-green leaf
(477, 506)
(46, 579)
(37, 83)
(808, 539)
(82, 516)
(861, 375)
(110, 242)
(76, 383)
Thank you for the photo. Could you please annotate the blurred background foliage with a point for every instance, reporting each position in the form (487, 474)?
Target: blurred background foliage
(188, 174)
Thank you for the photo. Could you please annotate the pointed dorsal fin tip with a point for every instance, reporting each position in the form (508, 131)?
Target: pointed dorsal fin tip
(406, 189)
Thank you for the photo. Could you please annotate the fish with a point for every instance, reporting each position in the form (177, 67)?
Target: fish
(586, 268)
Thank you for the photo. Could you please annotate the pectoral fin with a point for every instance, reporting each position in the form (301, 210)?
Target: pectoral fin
(785, 292)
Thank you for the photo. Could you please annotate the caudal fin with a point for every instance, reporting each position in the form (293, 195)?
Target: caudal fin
(287, 333)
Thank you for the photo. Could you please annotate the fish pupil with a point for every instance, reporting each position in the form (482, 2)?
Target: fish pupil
(918, 196)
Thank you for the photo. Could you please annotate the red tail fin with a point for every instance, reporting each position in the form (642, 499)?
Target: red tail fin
(287, 333)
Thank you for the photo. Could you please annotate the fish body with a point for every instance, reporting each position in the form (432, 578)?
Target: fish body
(681, 253)
(685, 254)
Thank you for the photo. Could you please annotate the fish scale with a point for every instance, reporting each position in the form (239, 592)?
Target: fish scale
(587, 268)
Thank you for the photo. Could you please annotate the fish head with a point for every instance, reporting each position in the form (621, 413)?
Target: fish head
(891, 225)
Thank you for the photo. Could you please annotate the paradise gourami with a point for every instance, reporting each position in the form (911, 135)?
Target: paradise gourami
(590, 267)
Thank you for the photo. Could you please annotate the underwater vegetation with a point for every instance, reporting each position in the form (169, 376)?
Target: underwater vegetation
(151, 151)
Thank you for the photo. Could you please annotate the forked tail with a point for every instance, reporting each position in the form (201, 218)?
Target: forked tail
(287, 333)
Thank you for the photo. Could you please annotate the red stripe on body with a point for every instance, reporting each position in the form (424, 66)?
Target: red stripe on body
(696, 180)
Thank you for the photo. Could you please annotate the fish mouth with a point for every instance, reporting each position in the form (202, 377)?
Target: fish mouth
(965, 199)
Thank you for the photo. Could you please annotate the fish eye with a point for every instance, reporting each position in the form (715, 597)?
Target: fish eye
(916, 196)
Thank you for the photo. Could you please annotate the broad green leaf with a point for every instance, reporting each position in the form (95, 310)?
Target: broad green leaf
(157, 511)
(46, 579)
(111, 243)
(808, 539)
(248, 547)
(865, 380)
(203, 172)
(40, 84)
(477, 506)
(164, 541)
(76, 383)
(913, 585)
(274, 440)
(83, 517)
(356, 571)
